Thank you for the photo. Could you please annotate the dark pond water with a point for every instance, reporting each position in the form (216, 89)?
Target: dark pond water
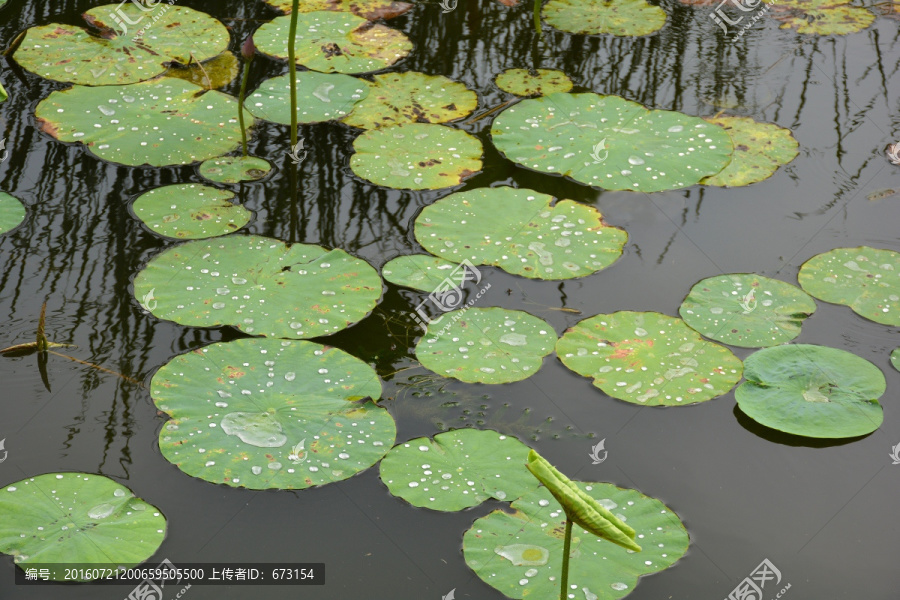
(824, 514)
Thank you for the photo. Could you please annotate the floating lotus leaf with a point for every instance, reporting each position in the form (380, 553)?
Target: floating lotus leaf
(486, 345)
(521, 82)
(190, 211)
(212, 74)
(521, 231)
(334, 42)
(614, 17)
(259, 285)
(418, 271)
(367, 9)
(520, 554)
(865, 279)
(746, 310)
(416, 156)
(3, 94)
(611, 143)
(169, 121)
(114, 56)
(320, 97)
(410, 97)
(822, 17)
(648, 358)
(12, 213)
(759, 149)
(812, 391)
(458, 469)
(70, 518)
(261, 413)
(895, 358)
(234, 169)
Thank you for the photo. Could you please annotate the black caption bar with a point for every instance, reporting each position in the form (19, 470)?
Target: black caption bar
(170, 575)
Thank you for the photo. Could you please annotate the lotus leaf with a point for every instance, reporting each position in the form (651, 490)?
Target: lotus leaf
(486, 345)
(520, 553)
(812, 391)
(614, 17)
(170, 121)
(458, 469)
(611, 143)
(367, 9)
(410, 97)
(334, 42)
(12, 213)
(234, 169)
(212, 74)
(416, 156)
(70, 518)
(190, 211)
(865, 279)
(261, 413)
(895, 358)
(3, 94)
(822, 17)
(521, 231)
(418, 271)
(759, 149)
(259, 285)
(320, 97)
(114, 56)
(648, 358)
(746, 310)
(523, 82)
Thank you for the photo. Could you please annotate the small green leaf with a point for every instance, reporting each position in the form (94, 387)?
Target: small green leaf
(614, 17)
(418, 271)
(521, 82)
(190, 211)
(759, 149)
(234, 169)
(895, 358)
(320, 97)
(12, 213)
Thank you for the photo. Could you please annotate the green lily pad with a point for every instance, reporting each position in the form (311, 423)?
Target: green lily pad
(106, 57)
(172, 122)
(648, 358)
(486, 345)
(3, 94)
(261, 413)
(822, 17)
(458, 469)
(334, 42)
(418, 271)
(521, 82)
(520, 553)
(190, 211)
(77, 518)
(759, 149)
(895, 358)
(410, 97)
(234, 169)
(259, 285)
(12, 213)
(521, 231)
(416, 156)
(614, 17)
(611, 143)
(320, 97)
(212, 74)
(367, 9)
(746, 310)
(812, 391)
(865, 279)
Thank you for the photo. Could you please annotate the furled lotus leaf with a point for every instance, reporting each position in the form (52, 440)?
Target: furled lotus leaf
(865, 279)
(759, 149)
(234, 169)
(615, 17)
(190, 211)
(212, 74)
(648, 358)
(410, 97)
(812, 391)
(521, 231)
(458, 469)
(611, 143)
(116, 56)
(334, 42)
(12, 213)
(418, 271)
(522, 82)
(486, 345)
(744, 309)
(70, 518)
(259, 285)
(822, 17)
(171, 122)
(320, 97)
(367, 9)
(262, 413)
(520, 553)
(416, 156)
